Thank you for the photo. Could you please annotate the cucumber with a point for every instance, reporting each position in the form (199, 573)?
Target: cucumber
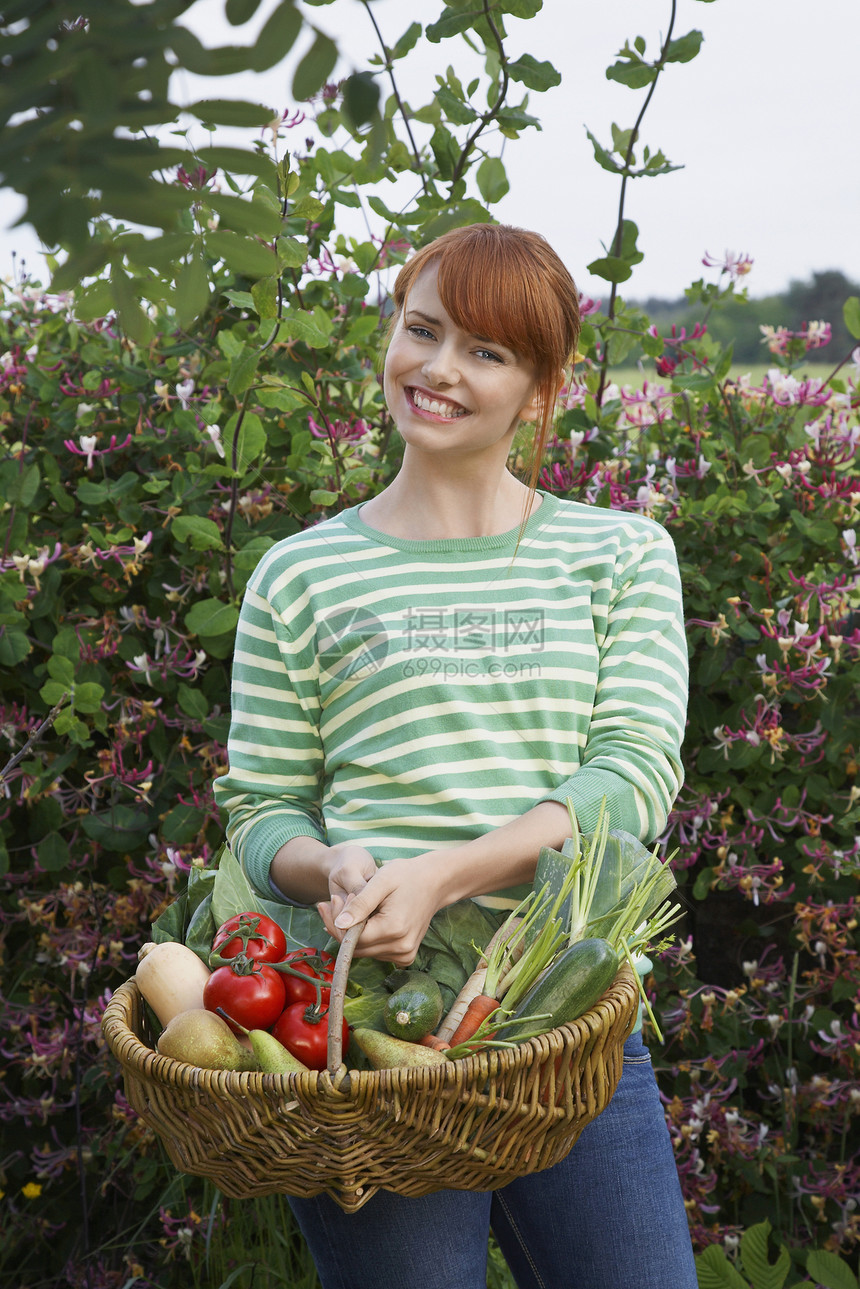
(567, 988)
(414, 1009)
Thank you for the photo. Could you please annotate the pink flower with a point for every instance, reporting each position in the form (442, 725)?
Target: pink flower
(735, 265)
(340, 431)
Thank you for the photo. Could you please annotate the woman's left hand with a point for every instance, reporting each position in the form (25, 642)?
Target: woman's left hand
(398, 902)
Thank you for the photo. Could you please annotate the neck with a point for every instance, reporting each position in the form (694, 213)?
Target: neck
(428, 504)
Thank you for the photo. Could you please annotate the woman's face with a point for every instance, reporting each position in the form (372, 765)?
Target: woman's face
(448, 390)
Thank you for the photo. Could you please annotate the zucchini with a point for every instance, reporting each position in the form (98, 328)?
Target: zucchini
(414, 1009)
(566, 989)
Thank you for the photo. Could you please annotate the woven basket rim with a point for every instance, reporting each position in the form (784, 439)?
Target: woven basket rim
(139, 1059)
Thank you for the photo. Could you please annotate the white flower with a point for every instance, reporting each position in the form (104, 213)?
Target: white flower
(185, 389)
(88, 446)
(214, 432)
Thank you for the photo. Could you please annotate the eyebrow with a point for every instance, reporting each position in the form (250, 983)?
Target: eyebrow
(437, 322)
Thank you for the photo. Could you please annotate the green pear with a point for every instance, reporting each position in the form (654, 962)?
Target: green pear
(201, 1038)
(272, 1056)
(387, 1053)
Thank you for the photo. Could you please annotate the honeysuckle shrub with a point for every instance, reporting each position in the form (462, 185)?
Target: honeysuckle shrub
(127, 541)
(153, 446)
(759, 1000)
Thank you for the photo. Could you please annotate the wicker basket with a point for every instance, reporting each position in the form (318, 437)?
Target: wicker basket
(473, 1124)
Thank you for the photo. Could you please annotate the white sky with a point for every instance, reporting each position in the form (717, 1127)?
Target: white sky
(764, 122)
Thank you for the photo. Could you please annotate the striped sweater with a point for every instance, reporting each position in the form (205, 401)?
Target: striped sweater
(412, 695)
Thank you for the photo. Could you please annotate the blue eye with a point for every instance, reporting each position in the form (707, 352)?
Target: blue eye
(421, 332)
(488, 353)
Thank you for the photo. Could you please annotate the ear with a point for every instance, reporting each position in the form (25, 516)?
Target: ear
(533, 409)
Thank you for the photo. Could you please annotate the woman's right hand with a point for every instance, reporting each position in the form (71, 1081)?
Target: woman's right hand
(351, 869)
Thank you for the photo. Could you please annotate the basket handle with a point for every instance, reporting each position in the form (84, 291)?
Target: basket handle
(338, 994)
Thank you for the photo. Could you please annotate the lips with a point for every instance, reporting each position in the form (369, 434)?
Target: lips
(434, 405)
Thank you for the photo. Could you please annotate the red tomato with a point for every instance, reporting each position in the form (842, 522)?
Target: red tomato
(316, 965)
(251, 993)
(304, 1032)
(266, 941)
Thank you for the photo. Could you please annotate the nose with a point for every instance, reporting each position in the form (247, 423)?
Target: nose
(441, 369)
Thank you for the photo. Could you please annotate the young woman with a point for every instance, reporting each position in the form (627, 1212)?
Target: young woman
(420, 685)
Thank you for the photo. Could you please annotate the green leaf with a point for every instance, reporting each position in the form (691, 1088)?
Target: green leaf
(265, 297)
(182, 824)
(243, 369)
(134, 322)
(62, 668)
(635, 74)
(323, 497)
(757, 1265)
(52, 852)
(236, 161)
(714, 1271)
(407, 41)
(455, 109)
(611, 268)
(232, 892)
(24, 486)
(87, 697)
(211, 618)
(277, 37)
(313, 328)
(446, 151)
(14, 647)
(684, 48)
(120, 828)
(52, 691)
(201, 533)
(242, 254)
(192, 291)
(450, 24)
(257, 217)
(830, 1270)
(492, 180)
(314, 68)
(193, 702)
(238, 11)
(250, 443)
(521, 8)
(695, 382)
(360, 97)
(224, 111)
(291, 253)
(603, 157)
(533, 74)
(851, 314)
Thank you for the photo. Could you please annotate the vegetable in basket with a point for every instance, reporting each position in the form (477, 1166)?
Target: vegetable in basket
(605, 891)
(172, 979)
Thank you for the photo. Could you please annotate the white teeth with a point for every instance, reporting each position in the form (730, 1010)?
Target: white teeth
(433, 405)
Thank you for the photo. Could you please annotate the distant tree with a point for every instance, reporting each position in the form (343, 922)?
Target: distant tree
(740, 321)
(822, 298)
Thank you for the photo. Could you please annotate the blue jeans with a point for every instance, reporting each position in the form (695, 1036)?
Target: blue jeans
(609, 1216)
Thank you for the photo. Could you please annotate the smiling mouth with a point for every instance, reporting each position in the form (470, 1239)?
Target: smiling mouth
(436, 406)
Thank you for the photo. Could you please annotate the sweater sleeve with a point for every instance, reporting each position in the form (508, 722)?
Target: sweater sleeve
(272, 789)
(632, 755)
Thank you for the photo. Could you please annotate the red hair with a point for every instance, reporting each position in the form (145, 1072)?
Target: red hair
(508, 285)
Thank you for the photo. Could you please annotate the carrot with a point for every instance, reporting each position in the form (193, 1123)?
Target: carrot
(474, 986)
(433, 1040)
(481, 1006)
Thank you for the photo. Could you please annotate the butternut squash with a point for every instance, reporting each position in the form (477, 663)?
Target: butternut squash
(171, 978)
